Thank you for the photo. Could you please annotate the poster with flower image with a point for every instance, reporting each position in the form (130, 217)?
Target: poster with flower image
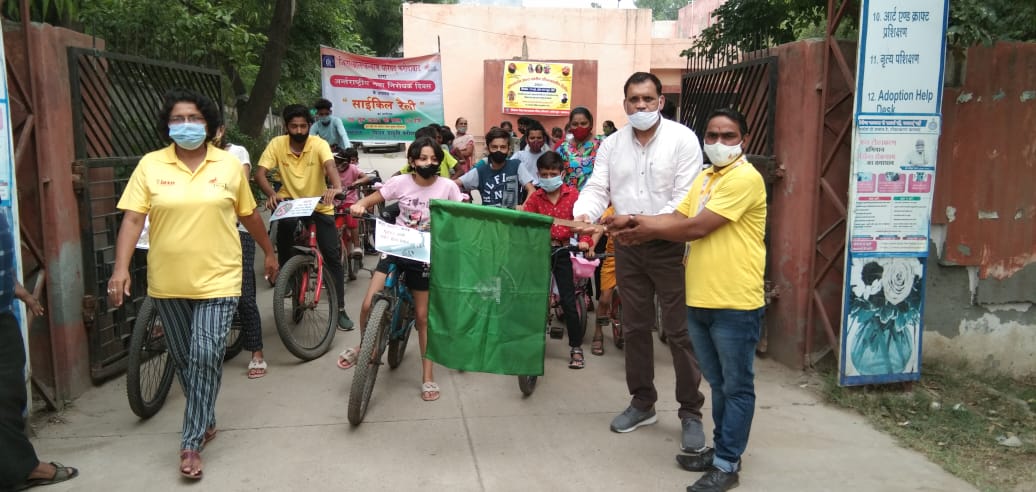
(882, 320)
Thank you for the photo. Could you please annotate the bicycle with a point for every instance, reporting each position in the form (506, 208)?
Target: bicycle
(391, 320)
(582, 270)
(150, 369)
(305, 304)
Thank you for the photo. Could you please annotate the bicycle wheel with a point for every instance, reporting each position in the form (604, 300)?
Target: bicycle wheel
(369, 359)
(235, 341)
(400, 337)
(527, 384)
(150, 371)
(305, 324)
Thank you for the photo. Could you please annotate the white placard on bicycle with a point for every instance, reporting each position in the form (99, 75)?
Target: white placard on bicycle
(404, 242)
(299, 207)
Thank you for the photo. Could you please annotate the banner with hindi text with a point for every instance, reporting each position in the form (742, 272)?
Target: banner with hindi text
(382, 99)
(537, 88)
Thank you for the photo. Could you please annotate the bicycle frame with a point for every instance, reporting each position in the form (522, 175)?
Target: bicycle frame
(311, 248)
(398, 295)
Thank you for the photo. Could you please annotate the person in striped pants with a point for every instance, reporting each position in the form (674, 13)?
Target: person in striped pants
(194, 194)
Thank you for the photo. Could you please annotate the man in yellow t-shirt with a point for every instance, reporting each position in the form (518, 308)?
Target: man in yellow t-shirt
(306, 165)
(724, 219)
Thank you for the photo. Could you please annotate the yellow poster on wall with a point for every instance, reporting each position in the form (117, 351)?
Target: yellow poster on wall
(538, 88)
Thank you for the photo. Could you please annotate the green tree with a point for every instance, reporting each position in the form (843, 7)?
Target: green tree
(662, 9)
(380, 24)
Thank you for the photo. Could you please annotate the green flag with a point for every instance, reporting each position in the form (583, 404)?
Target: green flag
(490, 278)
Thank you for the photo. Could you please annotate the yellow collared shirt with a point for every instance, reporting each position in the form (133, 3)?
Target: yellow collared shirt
(302, 176)
(725, 268)
(195, 248)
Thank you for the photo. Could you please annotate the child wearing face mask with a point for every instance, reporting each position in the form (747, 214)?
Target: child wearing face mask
(554, 198)
(413, 191)
(349, 172)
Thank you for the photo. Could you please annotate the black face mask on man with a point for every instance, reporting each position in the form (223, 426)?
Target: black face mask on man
(298, 137)
(427, 171)
(498, 156)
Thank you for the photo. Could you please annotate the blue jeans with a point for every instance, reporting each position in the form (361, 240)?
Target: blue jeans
(724, 342)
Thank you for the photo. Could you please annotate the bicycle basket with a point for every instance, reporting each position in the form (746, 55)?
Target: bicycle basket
(582, 267)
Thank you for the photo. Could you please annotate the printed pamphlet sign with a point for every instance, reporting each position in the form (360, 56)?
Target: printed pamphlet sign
(895, 142)
(537, 88)
(402, 241)
(382, 99)
(299, 207)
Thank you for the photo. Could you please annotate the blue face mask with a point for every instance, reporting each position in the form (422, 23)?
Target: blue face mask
(188, 136)
(551, 184)
(324, 119)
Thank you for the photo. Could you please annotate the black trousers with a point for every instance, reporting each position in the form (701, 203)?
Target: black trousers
(328, 242)
(17, 456)
(562, 269)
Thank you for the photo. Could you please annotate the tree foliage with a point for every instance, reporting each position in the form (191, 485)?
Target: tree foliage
(747, 25)
(380, 24)
(662, 9)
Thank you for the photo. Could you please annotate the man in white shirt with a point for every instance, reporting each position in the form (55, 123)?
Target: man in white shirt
(646, 168)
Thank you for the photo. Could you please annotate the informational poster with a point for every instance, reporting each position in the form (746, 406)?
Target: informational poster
(537, 88)
(895, 143)
(382, 99)
(892, 184)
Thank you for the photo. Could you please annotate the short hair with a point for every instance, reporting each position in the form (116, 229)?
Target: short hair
(505, 122)
(322, 104)
(437, 126)
(296, 111)
(525, 120)
(426, 132)
(209, 110)
(583, 111)
(447, 135)
(535, 126)
(640, 77)
(734, 115)
(495, 133)
(557, 131)
(550, 160)
(609, 123)
(414, 151)
(350, 152)
(458, 120)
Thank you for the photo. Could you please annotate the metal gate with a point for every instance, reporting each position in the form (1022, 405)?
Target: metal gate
(749, 86)
(115, 104)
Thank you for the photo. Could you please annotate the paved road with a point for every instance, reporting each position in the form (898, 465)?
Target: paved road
(288, 431)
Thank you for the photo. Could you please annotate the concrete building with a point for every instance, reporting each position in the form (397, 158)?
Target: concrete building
(607, 45)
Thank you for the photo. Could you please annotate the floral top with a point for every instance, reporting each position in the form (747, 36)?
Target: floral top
(580, 159)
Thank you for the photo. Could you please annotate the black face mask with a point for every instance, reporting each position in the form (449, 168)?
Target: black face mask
(298, 137)
(497, 156)
(426, 171)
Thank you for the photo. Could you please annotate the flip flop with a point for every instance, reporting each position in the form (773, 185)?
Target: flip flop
(347, 359)
(430, 391)
(597, 345)
(61, 474)
(187, 458)
(256, 369)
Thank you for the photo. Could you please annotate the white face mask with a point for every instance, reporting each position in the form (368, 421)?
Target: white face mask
(642, 120)
(723, 155)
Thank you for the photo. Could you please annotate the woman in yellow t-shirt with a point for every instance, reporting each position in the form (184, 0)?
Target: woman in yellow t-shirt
(604, 303)
(193, 193)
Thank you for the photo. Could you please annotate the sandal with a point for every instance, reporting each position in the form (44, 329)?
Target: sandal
(575, 360)
(597, 345)
(190, 460)
(429, 391)
(347, 359)
(256, 369)
(61, 474)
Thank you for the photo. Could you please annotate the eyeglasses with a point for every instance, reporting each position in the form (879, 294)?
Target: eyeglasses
(179, 120)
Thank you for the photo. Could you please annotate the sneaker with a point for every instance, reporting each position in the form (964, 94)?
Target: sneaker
(344, 323)
(715, 480)
(698, 462)
(693, 435)
(631, 418)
